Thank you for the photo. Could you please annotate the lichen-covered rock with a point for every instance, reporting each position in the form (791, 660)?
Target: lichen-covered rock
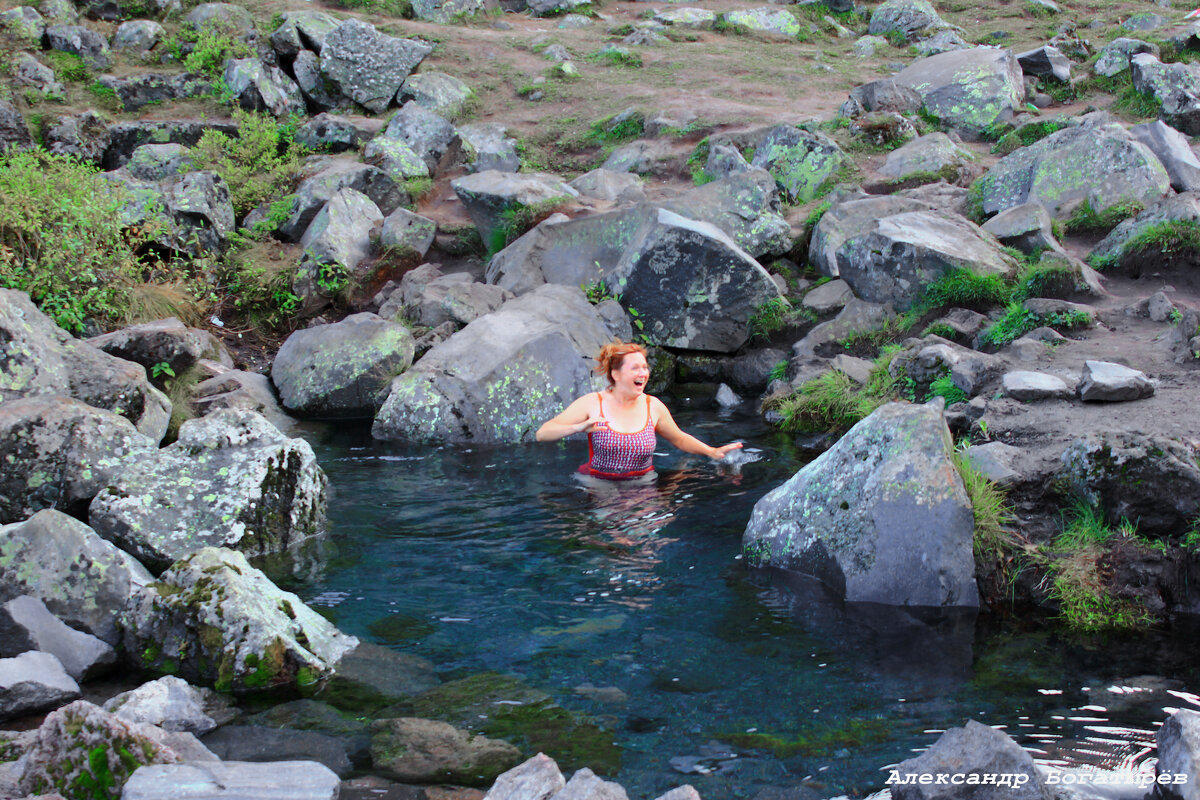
(303, 30)
(429, 298)
(248, 391)
(427, 134)
(442, 94)
(23, 24)
(898, 255)
(202, 212)
(1174, 151)
(172, 704)
(341, 370)
(744, 205)
(1129, 248)
(138, 35)
(212, 618)
(38, 357)
(81, 578)
(135, 92)
(83, 751)
(1026, 227)
(407, 235)
(445, 11)
(33, 682)
(976, 752)
(306, 68)
(691, 284)
(1150, 480)
(1175, 86)
(849, 219)
(941, 42)
(14, 133)
(165, 341)
(368, 66)
(259, 87)
(1114, 58)
(927, 159)
(426, 751)
(800, 161)
(336, 174)
(698, 18)
(336, 247)
(36, 76)
(500, 377)
(1029, 387)
(610, 186)
(765, 20)
(86, 43)
(59, 452)
(232, 479)
(912, 19)
(495, 199)
(882, 516)
(968, 89)
(227, 19)
(491, 146)
(1097, 163)
(330, 133)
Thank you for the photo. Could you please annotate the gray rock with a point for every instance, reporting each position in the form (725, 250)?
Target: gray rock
(1175, 86)
(1159, 307)
(14, 133)
(972, 750)
(645, 157)
(882, 128)
(407, 233)
(996, 460)
(858, 315)
(157, 162)
(912, 19)
(245, 391)
(1114, 58)
(172, 704)
(38, 357)
(231, 780)
(745, 206)
(941, 42)
(336, 247)
(438, 92)
(59, 10)
(316, 90)
(430, 136)
(258, 744)
(697, 18)
(216, 619)
(693, 286)
(829, 297)
(226, 18)
(881, 516)
(943, 196)
(1124, 249)
(429, 298)
(585, 785)
(165, 341)
(799, 160)
(135, 92)
(35, 76)
(202, 213)
(494, 199)
(83, 136)
(426, 751)
(609, 186)
(367, 66)
(67, 451)
(303, 30)
(973, 372)
(1104, 381)
(336, 174)
(967, 89)
(24, 24)
(33, 682)
(666, 122)
(850, 219)
(965, 322)
(1046, 62)
(231, 479)
(396, 158)
(724, 160)
(902, 253)
(501, 376)
(1099, 164)
(1034, 386)
(1026, 227)
(445, 11)
(82, 579)
(26, 624)
(1178, 740)
(370, 677)
(765, 20)
(1150, 479)
(125, 137)
(727, 398)
(89, 45)
(1173, 150)
(536, 779)
(492, 148)
(341, 370)
(1144, 21)
(258, 87)
(928, 158)
(867, 46)
(751, 371)
(856, 369)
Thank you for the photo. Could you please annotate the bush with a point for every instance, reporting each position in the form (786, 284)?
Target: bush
(774, 315)
(832, 402)
(62, 239)
(258, 164)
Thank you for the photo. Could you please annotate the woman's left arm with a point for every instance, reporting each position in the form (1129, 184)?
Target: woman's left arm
(665, 426)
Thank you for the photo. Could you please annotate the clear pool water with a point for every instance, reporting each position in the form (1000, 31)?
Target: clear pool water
(634, 608)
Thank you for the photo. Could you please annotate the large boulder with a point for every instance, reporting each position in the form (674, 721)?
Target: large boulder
(745, 205)
(1178, 742)
(900, 254)
(33, 682)
(764, 20)
(1131, 246)
(341, 370)
(911, 19)
(691, 285)
(427, 751)
(800, 161)
(367, 66)
(256, 86)
(89, 45)
(926, 159)
(302, 30)
(38, 357)
(26, 624)
(1176, 87)
(849, 219)
(172, 704)
(232, 480)
(427, 297)
(535, 779)
(1150, 480)
(880, 517)
(82, 579)
(498, 201)
(968, 90)
(214, 619)
(165, 341)
(431, 137)
(67, 451)
(337, 246)
(1174, 151)
(336, 174)
(442, 94)
(233, 780)
(500, 377)
(973, 755)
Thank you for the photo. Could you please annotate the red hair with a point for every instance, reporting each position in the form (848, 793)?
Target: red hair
(612, 356)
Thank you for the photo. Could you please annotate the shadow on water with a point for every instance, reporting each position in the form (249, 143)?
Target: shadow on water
(630, 605)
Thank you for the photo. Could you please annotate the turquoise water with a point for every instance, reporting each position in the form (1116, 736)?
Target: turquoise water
(634, 608)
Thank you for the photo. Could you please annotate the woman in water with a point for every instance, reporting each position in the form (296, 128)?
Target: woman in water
(621, 421)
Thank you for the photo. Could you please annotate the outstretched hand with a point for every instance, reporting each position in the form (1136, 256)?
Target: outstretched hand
(723, 451)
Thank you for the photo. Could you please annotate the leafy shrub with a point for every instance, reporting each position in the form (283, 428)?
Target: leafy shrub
(211, 45)
(1018, 321)
(62, 239)
(833, 402)
(259, 163)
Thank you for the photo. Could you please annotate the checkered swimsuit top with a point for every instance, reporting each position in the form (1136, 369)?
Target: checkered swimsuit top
(617, 456)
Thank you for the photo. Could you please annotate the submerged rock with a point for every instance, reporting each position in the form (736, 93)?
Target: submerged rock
(232, 780)
(881, 517)
(974, 751)
(426, 751)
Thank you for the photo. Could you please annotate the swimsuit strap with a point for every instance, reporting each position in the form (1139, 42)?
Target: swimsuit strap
(600, 398)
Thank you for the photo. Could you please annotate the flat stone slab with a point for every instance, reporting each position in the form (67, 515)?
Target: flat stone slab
(996, 460)
(1029, 386)
(1104, 381)
(33, 681)
(278, 780)
(829, 297)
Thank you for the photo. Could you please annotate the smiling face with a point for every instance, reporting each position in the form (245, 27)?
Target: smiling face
(631, 374)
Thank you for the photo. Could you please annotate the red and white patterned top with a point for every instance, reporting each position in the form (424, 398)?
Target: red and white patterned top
(619, 456)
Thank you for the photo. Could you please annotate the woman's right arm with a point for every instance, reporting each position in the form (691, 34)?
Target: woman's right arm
(578, 417)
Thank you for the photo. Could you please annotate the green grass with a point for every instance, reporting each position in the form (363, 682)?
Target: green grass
(605, 132)
(775, 315)
(1169, 238)
(67, 66)
(1086, 218)
(258, 164)
(516, 220)
(616, 58)
(967, 289)
(1018, 321)
(944, 387)
(832, 402)
(1027, 135)
(994, 540)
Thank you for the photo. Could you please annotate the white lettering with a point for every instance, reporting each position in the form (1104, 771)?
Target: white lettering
(1180, 778)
